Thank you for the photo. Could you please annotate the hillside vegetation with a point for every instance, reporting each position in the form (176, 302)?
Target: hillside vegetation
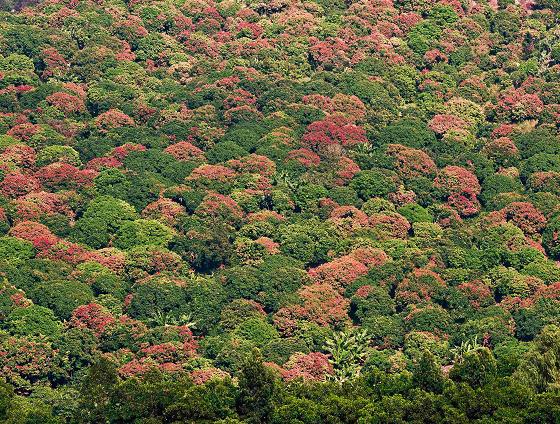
(280, 211)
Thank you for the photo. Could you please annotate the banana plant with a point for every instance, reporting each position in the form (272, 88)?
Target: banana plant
(348, 351)
(163, 319)
(363, 149)
(459, 351)
(284, 178)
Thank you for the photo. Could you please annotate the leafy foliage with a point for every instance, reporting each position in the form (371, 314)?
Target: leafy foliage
(238, 211)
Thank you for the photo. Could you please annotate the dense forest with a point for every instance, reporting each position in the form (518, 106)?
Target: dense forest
(279, 211)
(16, 5)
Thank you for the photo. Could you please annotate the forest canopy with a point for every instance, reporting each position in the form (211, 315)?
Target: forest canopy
(281, 211)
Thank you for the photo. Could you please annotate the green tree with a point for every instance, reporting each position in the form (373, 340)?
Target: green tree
(142, 232)
(34, 321)
(257, 386)
(95, 392)
(102, 218)
(373, 183)
(15, 251)
(62, 296)
(541, 368)
(477, 367)
(551, 242)
(427, 373)
(224, 151)
(6, 395)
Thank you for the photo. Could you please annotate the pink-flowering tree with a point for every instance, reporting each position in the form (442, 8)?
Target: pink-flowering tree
(478, 293)
(517, 105)
(545, 181)
(314, 366)
(204, 375)
(323, 305)
(455, 179)
(335, 130)
(184, 151)
(109, 257)
(238, 98)
(338, 273)
(253, 164)
(36, 204)
(466, 204)
(101, 163)
(92, 316)
(26, 362)
(24, 131)
(38, 234)
(67, 103)
(165, 210)
(434, 56)
(418, 287)
(319, 101)
(215, 205)
(351, 107)
(441, 124)
(19, 155)
(212, 173)
(330, 53)
(410, 163)
(305, 157)
(111, 119)
(59, 175)
(320, 303)
(346, 170)
(348, 219)
(66, 251)
(55, 63)
(121, 152)
(525, 216)
(502, 150)
(16, 184)
(390, 225)
(371, 257)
